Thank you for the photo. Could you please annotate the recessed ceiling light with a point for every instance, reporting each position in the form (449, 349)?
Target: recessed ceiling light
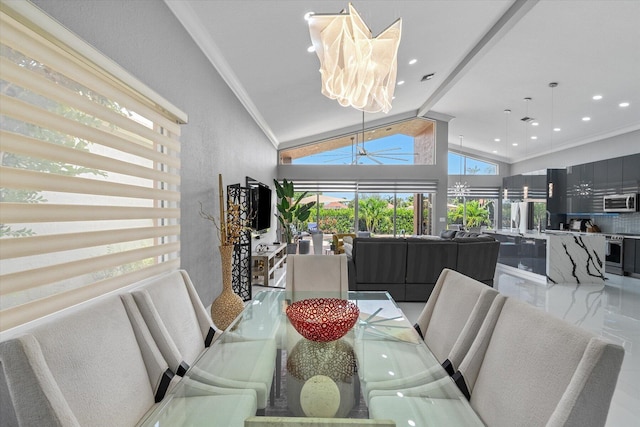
(413, 61)
(623, 104)
(401, 82)
(308, 15)
(535, 124)
(557, 129)
(496, 139)
(311, 49)
(597, 97)
(515, 144)
(586, 119)
(495, 151)
(534, 137)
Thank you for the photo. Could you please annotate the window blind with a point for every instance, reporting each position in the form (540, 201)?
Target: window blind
(368, 186)
(90, 172)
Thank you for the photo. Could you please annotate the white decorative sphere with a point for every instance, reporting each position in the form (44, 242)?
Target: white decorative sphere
(320, 397)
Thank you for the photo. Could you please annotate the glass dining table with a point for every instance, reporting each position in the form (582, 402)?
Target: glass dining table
(380, 359)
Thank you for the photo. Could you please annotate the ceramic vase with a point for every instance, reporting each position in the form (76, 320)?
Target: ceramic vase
(228, 305)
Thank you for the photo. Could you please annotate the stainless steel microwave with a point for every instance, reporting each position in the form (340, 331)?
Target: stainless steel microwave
(621, 203)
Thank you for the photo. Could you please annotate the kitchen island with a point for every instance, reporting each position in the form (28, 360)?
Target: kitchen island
(554, 256)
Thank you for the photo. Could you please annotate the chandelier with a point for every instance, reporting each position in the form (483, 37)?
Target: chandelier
(357, 69)
(460, 189)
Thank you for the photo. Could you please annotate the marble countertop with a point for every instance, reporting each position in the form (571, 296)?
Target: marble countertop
(626, 236)
(529, 235)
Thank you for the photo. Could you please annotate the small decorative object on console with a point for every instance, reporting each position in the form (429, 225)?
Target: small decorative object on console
(323, 319)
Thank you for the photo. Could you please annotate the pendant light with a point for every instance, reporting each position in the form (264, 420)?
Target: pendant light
(507, 112)
(552, 129)
(526, 119)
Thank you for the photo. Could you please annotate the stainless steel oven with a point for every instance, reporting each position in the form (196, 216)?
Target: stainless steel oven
(614, 254)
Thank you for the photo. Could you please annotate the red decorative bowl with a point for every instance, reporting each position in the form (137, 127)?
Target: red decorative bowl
(323, 319)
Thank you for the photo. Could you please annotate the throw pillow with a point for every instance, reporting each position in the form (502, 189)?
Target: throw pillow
(448, 234)
(348, 249)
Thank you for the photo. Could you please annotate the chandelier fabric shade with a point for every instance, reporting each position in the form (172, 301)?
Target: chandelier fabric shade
(357, 69)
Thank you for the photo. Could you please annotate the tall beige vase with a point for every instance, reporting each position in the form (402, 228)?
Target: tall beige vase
(228, 305)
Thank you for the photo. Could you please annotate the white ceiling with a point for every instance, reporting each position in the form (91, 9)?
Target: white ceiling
(487, 56)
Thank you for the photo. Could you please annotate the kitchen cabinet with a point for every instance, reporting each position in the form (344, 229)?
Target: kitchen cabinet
(557, 200)
(573, 180)
(599, 184)
(528, 254)
(631, 256)
(580, 188)
(614, 175)
(586, 197)
(631, 174)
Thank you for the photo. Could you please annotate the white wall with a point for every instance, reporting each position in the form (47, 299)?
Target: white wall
(146, 39)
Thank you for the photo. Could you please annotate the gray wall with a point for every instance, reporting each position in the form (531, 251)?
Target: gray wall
(607, 148)
(146, 39)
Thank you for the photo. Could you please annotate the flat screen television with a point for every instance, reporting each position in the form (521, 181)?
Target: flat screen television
(259, 205)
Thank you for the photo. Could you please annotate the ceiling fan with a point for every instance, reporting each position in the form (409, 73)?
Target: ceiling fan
(358, 152)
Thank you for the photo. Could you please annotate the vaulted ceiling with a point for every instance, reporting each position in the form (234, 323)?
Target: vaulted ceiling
(486, 56)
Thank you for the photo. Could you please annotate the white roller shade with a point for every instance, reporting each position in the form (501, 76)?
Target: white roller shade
(90, 171)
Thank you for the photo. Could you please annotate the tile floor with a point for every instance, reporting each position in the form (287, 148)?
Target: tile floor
(611, 310)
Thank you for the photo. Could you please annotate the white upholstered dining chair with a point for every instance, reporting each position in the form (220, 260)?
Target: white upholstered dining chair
(94, 367)
(324, 275)
(448, 323)
(526, 367)
(183, 331)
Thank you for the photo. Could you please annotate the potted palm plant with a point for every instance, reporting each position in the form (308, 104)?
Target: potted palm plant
(290, 212)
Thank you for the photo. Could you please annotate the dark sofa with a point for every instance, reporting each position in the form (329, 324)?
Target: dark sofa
(409, 268)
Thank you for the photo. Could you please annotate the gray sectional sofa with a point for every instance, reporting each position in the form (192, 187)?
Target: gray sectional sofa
(409, 268)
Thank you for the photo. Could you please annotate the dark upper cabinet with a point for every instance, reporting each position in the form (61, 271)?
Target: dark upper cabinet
(631, 174)
(580, 188)
(586, 189)
(556, 190)
(573, 180)
(599, 184)
(614, 175)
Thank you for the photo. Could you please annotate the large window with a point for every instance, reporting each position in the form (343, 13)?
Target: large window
(379, 207)
(411, 142)
(89, 190)
(465, 165)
